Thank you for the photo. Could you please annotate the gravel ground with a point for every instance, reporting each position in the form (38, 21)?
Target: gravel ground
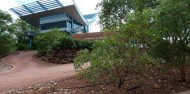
(29, 71)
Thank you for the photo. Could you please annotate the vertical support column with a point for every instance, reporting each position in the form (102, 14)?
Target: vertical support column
(72, 25)
(39, 24)
(30, 44)
(87, 28)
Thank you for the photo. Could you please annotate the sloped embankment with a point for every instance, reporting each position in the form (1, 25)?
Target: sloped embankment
(62, 56)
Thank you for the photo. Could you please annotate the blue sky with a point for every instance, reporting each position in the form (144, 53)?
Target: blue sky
(85, 6)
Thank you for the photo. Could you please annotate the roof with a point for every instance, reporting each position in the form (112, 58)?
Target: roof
(37, 6)
(33, 11)
(90, 16)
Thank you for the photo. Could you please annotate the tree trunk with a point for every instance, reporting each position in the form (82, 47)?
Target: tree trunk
(182, 70)
(121, 81)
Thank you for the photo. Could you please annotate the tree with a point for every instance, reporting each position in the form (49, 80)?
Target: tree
(116, 57)
(113, 12)
(173, 25)
(45, 42)
(20, 27)
(5, 20)
(7, 44)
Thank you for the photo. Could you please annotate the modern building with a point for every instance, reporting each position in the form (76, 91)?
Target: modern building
(49, 14)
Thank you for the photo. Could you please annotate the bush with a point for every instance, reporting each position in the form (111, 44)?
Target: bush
(111, 60)
(162, 50)
(68, 42)
(56, 40)
(7, 44)
(22, 46)
(22, 42)
(45, 42)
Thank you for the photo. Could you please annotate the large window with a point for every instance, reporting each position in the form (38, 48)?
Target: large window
(52, 17)
(59, 24)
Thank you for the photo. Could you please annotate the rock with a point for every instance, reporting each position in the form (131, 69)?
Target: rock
(159, 81)
(173, 91)
(184, 84)
(156, 86)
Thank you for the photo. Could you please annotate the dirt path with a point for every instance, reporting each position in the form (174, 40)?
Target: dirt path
(28, 71)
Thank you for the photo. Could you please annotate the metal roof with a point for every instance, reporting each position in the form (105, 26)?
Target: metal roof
(32, 12)
(90, 16)
(36, 7)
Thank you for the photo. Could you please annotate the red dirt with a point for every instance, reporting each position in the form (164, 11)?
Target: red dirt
(28, 71)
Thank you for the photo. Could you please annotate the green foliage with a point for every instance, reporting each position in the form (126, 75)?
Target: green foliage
(5, 20)
(23, 46)
(162, 49)
(124, 53)
(7, 44)
(20, 27)
(69, 42)
(111, 59)
(45, 42)
(55, 40)
(172, 23)
(118, 56)
(113, 12)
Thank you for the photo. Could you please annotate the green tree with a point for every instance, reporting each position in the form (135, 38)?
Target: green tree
(7, 44)
(20, 27)
(173, 26)
(5, 21)
(122, 54)
(45, 42)
(113, 12)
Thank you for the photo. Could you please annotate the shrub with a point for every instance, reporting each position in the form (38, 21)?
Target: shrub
(22, 42)
(162, 50)
(7, 44)
(56, 40)
(45, 42)
(119, 56)
(69, 42)
(111, 60)
(22, 46)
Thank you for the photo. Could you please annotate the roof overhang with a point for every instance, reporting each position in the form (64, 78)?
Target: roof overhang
(33, 18)
(71, 10)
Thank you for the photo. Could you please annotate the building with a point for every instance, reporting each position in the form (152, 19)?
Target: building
(49, 14)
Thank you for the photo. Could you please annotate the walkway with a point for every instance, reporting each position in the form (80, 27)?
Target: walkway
(29, 71)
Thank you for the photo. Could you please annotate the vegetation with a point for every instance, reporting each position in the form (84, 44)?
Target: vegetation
(5, 20)
(161, 25)
(113, 12)
(45, 42)
(7, 44)
(20, 27)
(173, 26)
(146, 30)
(55, 40)
(118, 56)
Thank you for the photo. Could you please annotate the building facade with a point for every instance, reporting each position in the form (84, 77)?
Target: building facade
(50, 14)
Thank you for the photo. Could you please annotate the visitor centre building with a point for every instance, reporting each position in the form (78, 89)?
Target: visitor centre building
(49, 14)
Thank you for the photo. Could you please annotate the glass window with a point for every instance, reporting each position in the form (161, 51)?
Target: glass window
(59, 24)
